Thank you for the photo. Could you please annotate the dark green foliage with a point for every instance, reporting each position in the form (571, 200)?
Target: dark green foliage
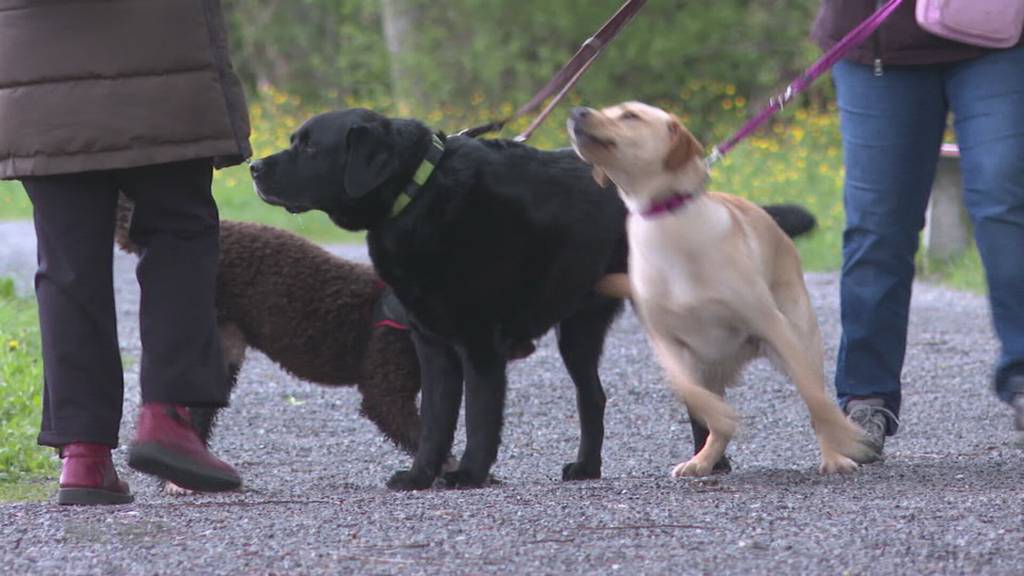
(462, 53)
(319, 49)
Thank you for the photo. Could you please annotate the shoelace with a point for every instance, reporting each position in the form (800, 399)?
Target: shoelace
(863, 415)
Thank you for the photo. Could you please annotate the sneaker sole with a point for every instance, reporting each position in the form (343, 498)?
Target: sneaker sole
(157, 461)
(91, 497)
(872, 458)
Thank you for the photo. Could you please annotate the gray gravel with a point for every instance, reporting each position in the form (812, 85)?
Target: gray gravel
(948, 500)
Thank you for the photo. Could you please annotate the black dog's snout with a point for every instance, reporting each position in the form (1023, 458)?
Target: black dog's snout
(257, 167)
(579, 113)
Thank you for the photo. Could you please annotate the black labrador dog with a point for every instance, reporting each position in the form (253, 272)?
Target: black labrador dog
(488, 244)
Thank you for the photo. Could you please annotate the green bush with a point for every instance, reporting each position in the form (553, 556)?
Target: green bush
(481, 53)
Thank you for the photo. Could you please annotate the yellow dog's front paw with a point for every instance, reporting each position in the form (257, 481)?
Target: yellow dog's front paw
(692, 468)
(172, 489)
(836, 463)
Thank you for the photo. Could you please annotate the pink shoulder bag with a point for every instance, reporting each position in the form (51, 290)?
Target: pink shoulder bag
(987, 23)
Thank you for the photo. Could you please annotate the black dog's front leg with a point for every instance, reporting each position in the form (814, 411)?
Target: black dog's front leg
(441, 395)
(485, 406)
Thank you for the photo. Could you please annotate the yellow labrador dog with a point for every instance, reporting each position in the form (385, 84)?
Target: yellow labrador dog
(715, 280)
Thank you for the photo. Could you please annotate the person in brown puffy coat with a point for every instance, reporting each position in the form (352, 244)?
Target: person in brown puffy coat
(895, 92)
(139, 97)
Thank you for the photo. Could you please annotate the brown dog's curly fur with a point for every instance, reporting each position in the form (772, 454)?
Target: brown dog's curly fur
(311, 312)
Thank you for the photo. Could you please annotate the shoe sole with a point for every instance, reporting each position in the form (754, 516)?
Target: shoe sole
(91, 497)
(871, 458)
(157, 461)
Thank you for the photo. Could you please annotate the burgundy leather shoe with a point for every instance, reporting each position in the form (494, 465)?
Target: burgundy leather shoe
(167, 446)
(87, 476)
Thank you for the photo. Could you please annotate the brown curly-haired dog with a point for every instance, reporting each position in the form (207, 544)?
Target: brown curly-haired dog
(320, 317)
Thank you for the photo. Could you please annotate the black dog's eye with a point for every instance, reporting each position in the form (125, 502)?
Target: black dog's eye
(627, 115)
(301, 143)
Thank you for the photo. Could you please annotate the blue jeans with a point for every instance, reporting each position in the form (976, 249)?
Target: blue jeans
(892, 126)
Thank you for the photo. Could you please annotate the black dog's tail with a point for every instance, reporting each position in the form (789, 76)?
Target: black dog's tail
(795, 220)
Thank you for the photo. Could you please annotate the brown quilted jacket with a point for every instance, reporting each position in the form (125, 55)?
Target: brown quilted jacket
(116, 84)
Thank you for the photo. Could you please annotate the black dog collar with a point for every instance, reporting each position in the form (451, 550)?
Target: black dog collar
(426, 168)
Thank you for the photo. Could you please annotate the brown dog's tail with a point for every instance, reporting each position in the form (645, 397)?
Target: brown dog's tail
(125, 207)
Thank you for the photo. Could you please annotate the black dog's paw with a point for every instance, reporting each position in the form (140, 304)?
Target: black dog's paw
(581, 471)
(464, 478)
(723, 466)
(451, 464)
(406, 480)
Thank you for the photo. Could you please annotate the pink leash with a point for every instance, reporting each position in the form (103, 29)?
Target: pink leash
(859, 34)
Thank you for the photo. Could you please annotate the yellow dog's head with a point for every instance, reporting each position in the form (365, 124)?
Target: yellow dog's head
(644, 150)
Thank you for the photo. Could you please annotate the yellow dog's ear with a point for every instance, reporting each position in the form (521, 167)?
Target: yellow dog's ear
(684, 146)
(600, 177)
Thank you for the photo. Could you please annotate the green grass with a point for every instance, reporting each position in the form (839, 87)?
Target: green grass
(963, 272)
(238, 201)
(21, 384)
(14, 204)
(27, 490)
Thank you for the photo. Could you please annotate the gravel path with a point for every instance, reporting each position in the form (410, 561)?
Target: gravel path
(947, 501)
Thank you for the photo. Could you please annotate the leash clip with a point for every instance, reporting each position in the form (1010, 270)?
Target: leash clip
(781, 100)
(594, 42)
(715, 156)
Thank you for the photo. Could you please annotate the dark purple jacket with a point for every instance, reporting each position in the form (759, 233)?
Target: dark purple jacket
(899, 41)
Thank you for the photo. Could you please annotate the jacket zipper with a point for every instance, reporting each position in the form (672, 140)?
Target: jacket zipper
(876, 44)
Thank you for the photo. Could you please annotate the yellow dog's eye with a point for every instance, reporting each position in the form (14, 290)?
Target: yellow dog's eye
(629, 116)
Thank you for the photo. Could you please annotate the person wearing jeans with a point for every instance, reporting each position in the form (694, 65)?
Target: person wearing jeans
(139, 98)
(894, 95)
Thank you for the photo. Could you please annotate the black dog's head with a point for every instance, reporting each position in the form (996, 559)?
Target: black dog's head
(351, 164)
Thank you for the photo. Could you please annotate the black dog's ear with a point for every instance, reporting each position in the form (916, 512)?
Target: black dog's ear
(370, 161)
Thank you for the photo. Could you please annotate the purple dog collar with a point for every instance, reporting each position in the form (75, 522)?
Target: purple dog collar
(667, 205)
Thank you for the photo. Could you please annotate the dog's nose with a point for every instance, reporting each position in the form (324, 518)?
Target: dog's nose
(256, 167)
(579, 113)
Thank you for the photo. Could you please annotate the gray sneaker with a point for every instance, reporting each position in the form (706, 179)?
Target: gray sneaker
(1014, 385)
(873, 420)
(1018, 412)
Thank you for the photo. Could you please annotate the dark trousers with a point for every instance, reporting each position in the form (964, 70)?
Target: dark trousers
(176, 226)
